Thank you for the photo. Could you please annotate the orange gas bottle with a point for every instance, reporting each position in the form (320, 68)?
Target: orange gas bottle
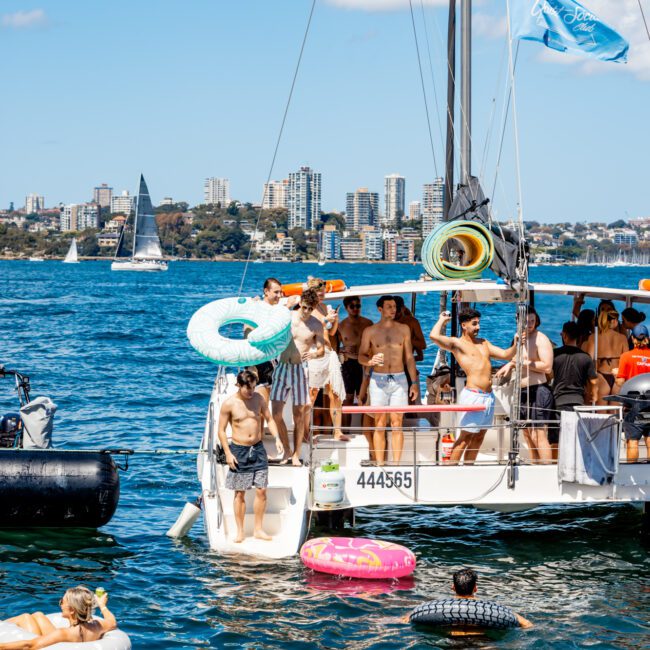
(644, 284)
(295, 289)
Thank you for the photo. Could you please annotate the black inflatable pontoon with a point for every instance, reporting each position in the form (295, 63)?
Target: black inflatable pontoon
(52, 488)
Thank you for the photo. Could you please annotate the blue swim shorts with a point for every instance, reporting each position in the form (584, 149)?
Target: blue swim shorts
(475, 421)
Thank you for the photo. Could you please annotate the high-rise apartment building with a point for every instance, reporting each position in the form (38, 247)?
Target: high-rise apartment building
(80, 216)
(394, 193)
(34, 203)
(276, 195)
(329, 243)
(361, 208)
(102, 195)
(432, 203)
(399, 250)
(373, 243)
(217, 190)
(304, 198)
(415, 210)
(122, 203)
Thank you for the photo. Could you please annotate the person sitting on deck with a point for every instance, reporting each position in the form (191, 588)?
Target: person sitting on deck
(245, 454)
(473, 355)
(632, 363)
(77, 606)
(386, 349)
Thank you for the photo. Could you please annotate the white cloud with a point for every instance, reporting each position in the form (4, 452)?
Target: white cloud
(24, 19)
(382, 5)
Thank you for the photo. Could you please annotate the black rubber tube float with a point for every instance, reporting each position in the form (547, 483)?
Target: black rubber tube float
(464, 611)
(44, 488)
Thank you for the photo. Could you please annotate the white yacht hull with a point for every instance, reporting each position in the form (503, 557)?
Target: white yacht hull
(139, 265)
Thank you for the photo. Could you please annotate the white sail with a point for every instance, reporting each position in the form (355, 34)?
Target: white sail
(72, 256)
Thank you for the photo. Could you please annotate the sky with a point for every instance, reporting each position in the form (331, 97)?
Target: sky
(98, 92)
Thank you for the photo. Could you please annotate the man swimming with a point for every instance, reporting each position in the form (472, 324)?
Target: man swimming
(245, 454)
(473, 355)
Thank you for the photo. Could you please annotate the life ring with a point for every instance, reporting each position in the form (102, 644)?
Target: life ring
(357, 557)
(644, 284)
(113, 640)
(270, 337)
(474, 239)
(464, 611)
(295, 289)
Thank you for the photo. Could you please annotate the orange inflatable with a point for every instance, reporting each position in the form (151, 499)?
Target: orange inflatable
(644, 284)
(295, 289)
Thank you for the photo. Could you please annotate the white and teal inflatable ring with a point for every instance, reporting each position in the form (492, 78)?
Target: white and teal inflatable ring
(269, 338)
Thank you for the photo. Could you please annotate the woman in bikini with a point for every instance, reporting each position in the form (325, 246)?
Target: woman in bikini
(77, 606)
(611, 344)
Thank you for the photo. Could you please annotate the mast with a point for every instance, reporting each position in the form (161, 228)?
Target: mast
(466, 90)
(451, 98)
(135, 225)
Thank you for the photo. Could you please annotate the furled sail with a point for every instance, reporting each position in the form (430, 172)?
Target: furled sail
(147, 244)
(470, 204)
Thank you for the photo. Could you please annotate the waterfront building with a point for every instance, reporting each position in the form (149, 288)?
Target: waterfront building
(80, 216)
(373, 243)
(415, 210)
(217, 190)
(102, 195)
(361, 208)
(122, 203)
(626, 237)
(34, 203)
(107, 239)
(329, 243)
(168, 200)
(352, 248)
(399, 250)
(114, 224)
(432, 205)
(304, 198)
(394, 197)
(276, 195)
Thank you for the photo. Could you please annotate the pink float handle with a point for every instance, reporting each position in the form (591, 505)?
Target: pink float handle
(414, 408)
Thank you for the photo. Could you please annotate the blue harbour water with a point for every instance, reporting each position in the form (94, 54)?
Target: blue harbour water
(111, 351)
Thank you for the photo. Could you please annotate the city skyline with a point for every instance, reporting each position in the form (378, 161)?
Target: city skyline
(580, 122)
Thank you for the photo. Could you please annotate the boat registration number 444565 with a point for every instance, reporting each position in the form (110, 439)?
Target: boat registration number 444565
(386, 479)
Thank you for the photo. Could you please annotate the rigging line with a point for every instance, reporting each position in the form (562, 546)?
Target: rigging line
(506, 110)
(433, 79)
(424, 93)
(520, 207)
(644, 20)
(277, 143)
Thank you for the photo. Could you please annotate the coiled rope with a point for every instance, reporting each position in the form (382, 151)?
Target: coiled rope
(468, 258)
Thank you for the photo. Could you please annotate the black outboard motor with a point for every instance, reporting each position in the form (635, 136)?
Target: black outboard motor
(11, 430)
(635, 397)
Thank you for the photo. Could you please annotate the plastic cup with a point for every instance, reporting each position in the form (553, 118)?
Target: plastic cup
(99, 592)
(381, 362)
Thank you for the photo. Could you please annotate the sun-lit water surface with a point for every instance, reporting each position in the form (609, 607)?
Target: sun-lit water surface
(110, 349)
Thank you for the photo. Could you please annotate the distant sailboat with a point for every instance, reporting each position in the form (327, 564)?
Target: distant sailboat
(321, 259)
(146, 254)
(36, 259)
(72, 257)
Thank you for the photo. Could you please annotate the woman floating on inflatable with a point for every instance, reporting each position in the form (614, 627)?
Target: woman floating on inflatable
(77, 607)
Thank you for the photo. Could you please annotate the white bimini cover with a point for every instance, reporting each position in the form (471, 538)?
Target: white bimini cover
(113, 640)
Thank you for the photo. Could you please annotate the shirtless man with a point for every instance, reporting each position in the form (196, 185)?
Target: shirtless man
(291, 375)
(537, 401)
(245, 454)
(386, 348)
(473, 355)
(349, 337)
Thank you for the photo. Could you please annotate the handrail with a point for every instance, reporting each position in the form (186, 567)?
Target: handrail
(414, 408)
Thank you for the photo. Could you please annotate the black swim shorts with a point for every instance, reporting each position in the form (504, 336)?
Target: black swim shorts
(537, 403)
(352, 372)
(252, 467)
(264, 373)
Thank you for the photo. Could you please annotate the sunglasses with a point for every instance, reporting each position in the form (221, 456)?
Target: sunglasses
(355, 305)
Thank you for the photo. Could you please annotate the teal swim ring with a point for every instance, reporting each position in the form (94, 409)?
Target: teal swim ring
(269, 338)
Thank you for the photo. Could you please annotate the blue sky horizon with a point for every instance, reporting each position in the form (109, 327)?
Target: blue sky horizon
(100, 92)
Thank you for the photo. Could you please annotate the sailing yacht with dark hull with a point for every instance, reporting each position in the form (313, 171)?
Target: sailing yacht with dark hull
(146, 254)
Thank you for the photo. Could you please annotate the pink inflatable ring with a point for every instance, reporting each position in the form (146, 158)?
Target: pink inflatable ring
(357, 557)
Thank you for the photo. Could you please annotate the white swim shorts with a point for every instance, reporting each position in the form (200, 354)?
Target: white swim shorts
(475, 421)
(388, 389)
(327, 370)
